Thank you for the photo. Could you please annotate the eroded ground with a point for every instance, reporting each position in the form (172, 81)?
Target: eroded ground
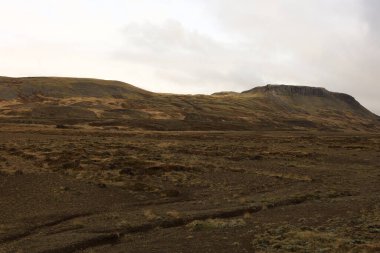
(88, 191)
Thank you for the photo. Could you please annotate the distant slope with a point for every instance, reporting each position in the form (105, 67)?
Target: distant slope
(311, 99)
(12, 88)
(104, 104)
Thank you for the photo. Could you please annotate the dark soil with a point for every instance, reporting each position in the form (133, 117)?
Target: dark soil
(67, 190)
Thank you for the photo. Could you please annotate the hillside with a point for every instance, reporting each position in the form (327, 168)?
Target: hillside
(34, 87)
(105, 104)
(305, 175)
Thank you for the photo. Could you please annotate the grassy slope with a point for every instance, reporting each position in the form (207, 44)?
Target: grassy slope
(111, 103)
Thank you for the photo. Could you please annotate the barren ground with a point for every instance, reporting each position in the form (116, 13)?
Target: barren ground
(113, 191)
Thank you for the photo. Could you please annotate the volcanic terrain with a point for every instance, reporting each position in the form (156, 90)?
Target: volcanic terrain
(102, 166)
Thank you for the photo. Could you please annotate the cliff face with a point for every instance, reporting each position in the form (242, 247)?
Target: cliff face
(289, 90)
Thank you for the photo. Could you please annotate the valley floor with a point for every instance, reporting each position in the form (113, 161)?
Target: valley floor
(65, 190)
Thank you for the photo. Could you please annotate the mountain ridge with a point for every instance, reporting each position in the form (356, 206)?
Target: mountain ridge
(106, 103)
(282, 89)
(292, 90)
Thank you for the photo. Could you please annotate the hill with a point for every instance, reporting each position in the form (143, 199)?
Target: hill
(34, 87)
(105, 104)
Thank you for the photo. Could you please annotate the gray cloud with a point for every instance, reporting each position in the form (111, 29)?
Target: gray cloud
(371, 15)
(330, 43)
(185, 57)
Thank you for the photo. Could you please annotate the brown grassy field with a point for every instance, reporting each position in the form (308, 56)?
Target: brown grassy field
(78, 102)
(78, 190)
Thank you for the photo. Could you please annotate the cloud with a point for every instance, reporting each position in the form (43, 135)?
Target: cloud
(371, 15)
(186, 58)
(317, 42)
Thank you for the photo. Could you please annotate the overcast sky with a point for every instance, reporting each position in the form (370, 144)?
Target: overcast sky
(198, 46)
